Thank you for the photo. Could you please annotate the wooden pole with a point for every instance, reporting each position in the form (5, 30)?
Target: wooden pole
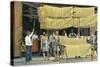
(79, 27)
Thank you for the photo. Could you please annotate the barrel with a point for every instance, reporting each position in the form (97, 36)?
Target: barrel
(35, 46)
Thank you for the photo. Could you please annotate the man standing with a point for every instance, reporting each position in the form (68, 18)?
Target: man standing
(44, 45)
(72, 34)
(56, 45)
(64, 33)
(35, 36)
(93, 46)
(51, 44)
(28, 43)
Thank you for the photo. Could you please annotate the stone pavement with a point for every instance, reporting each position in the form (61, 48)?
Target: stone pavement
(39, 60)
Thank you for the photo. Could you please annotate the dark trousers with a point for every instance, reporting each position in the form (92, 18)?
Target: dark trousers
(28, 54)
(51, 51)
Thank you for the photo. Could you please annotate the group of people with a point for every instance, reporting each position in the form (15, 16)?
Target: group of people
(49, 45)
(71, 34)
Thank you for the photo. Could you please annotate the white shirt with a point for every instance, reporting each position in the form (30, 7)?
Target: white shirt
(28, 40)
(65, 34)
(34, 37)
(51, 38)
